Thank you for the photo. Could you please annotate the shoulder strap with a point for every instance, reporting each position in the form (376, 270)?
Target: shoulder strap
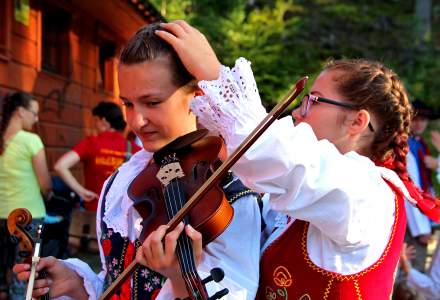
(104, 197)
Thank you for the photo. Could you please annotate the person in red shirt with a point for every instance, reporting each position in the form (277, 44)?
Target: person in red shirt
(101, 154)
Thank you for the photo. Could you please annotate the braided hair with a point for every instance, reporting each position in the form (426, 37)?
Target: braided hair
(11, 103)
(378, 89)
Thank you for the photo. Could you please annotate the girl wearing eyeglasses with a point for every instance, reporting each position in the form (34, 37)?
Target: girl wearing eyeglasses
(336, 176)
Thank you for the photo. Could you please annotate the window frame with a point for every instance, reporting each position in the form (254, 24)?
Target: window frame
(5, 29)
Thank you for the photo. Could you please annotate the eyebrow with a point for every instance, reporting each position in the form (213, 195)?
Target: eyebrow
(143, 97)
(317, 93)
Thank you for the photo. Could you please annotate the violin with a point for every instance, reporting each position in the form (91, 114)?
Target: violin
(188, 187)
(19, 227)
(164, 186)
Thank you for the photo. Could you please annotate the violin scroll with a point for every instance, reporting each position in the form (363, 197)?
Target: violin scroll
(19, 221)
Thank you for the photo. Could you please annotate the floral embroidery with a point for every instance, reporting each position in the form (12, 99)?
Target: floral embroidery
(145, 273)
(148, 287)
(156, 280)
(114, 262)
(282, 277)
(270, 294)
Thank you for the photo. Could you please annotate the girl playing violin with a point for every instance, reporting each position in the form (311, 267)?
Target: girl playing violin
(156, 90)
(336, 176)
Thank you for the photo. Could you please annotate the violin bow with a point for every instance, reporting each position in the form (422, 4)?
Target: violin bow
(238, 153)
(219, 173)
(35, 260)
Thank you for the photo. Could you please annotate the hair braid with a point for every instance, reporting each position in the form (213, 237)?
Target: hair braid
(399, 143)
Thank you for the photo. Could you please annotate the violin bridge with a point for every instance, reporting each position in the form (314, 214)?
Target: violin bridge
(169, 172)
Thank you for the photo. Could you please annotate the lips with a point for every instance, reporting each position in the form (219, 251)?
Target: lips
(147, 134)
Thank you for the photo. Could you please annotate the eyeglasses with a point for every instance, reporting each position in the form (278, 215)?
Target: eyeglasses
(308, 99)
(32, 112)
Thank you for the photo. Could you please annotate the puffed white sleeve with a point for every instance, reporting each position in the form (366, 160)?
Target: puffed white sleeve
(288, 161)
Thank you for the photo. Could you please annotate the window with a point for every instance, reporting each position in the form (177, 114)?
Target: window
(5, 17)
(106, 65)
(55, 41)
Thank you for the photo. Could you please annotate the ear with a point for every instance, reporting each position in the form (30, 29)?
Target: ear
(21, 111)
(359, 122)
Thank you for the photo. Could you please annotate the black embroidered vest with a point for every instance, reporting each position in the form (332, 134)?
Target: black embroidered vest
(119, 252)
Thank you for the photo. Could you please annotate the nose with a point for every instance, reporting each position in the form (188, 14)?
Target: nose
(296, 114)
(137, 117)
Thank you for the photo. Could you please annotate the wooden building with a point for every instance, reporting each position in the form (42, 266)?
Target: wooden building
(65, 53)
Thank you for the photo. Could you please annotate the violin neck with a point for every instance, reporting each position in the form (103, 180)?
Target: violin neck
(193, 282)
(175, 199)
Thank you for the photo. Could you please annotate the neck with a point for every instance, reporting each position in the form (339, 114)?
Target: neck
(13, 127)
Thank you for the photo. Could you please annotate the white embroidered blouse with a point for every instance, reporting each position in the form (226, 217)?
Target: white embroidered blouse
(344, 197)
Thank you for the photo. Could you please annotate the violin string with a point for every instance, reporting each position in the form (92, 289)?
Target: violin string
(169, 206)
(185, 243)
(182, 245)
(188, 242)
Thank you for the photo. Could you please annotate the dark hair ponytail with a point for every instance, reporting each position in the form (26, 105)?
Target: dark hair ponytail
(10, 104)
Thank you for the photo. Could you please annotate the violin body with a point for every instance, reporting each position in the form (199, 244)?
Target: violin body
(210, 216)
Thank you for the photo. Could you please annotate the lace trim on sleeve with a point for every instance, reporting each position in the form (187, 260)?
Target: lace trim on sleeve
(230, 101)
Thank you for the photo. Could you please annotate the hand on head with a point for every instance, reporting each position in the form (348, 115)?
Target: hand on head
(193, 49)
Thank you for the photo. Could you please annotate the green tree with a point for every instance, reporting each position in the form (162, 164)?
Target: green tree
(286, 39)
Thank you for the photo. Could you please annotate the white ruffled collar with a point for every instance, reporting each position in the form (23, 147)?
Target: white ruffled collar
(118, 204)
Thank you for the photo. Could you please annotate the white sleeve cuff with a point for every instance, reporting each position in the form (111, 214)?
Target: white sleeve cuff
(93, 283)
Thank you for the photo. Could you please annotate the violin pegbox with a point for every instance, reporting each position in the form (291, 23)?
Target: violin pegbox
(170, 169)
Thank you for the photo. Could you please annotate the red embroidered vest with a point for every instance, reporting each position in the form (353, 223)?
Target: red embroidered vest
(288, 273)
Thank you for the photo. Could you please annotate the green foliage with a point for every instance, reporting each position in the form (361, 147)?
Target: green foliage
(287, 39)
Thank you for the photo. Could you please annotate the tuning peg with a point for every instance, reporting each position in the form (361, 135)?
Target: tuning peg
(217, 275)
(14, 239)
(219, 294)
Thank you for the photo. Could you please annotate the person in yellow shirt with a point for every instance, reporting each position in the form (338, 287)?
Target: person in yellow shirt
(24, 178)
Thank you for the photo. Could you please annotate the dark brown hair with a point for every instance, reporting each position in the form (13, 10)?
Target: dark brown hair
(379, 90)
(145, 45)
(11, 103)
(112, 113)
